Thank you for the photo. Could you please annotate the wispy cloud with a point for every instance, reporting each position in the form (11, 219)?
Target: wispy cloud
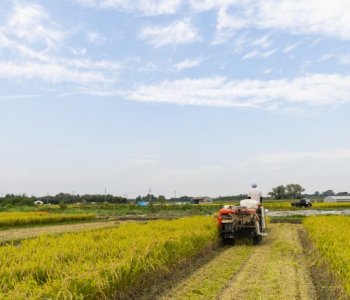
(253, 47)
(344, 59)
(146, 7)
(331, 19)
(320, 90)
(178, 32)
(34, 45)
(259, 54)
(31, 22)
(50, 72)
(95, 38)
(188, 64)
(142, 161)
(283, 158)
(290, 47)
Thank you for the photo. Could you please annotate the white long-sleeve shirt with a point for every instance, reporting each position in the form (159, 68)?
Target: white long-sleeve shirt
(255, 194)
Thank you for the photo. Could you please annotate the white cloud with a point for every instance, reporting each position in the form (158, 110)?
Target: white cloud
(263, 42)
(252, 47)
(93, 64)
(319, 90)
(202, 5)
(290, 47)
(259, 54)
(31, 22)
(146, 7)
(344, 59)
(324, 18)
(283, 158)
(95, 38)
(50, 72)
(188, 64)
(32, 44)
(179, 32)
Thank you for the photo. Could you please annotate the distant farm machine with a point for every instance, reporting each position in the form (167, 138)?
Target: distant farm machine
(245, 220)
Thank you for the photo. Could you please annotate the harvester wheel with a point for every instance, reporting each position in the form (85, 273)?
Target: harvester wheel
(228, 242)
(257, 239)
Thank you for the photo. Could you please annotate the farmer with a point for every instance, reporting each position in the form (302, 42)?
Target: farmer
(254, 193)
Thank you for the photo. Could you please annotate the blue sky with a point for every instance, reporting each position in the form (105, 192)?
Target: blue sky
(201, 97)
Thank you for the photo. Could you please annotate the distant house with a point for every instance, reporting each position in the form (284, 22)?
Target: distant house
(38, 202)
(337, 199)
(201, 200)
(142, 203)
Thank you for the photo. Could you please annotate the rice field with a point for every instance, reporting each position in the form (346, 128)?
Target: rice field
(286, 205)
(10, 219)
(103, 263)
(331, 237)
(17, 234)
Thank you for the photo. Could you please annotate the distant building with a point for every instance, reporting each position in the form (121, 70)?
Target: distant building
(201, 200)
(38, 202)
(337, 199)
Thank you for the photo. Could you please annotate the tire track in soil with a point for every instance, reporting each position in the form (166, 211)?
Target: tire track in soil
(277, 269)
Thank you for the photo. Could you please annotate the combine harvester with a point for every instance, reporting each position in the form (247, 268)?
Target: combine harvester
(246, 220)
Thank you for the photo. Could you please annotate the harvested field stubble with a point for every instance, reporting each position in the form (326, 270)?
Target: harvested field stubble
(102, 263)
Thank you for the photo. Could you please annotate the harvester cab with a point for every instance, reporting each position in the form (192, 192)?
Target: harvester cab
(245, 220)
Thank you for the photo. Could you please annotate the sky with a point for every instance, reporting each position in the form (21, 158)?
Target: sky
(201, 97)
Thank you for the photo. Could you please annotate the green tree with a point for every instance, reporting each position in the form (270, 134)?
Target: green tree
(294, 190)
(328, 193)
(342, 194)
(278, 192)
(161, 199)
(63, 205)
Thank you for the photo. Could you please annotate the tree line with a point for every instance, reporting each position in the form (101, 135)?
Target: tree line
(296, 191)
(11, 199)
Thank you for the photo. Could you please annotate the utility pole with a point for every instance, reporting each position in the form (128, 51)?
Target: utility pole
(105, 195)
(175, 194)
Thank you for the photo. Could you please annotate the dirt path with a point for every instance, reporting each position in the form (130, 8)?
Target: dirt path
(275, 269)
(31, 232)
